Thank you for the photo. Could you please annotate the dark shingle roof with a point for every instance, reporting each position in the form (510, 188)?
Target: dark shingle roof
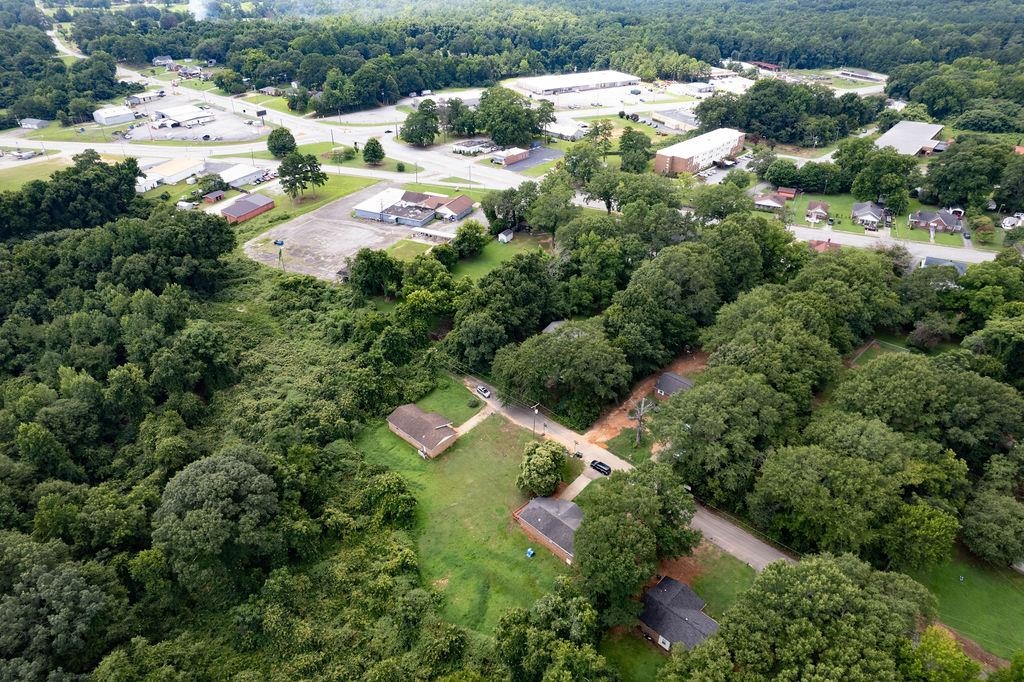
(670, 384)
(245, 205)
(868, 208)
(932, 261)
(429, 429)
(673, 610)
(557, 520)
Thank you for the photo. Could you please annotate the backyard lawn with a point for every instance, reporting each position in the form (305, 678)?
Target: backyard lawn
(722, 580)
(474, 194)
(14, 178)
(406, 249)
(636, 659)
(496, 253)
(271, 102)
(984, 603)
(470, 548)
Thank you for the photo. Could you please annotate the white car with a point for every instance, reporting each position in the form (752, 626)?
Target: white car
(483, 391)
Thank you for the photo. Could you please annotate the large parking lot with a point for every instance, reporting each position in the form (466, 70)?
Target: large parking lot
(318, 242)
(227, 126)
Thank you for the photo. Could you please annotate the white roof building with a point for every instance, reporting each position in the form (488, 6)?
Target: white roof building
(565, 130)
(241, 174)
(185, 115)
(176, 170)
(910, 137)
(576, 82)
(108, 116)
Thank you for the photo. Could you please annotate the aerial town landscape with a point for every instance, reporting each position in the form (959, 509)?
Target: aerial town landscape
(464, 341)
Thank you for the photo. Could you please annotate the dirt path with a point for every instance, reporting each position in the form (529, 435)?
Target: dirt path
(989, 662)
(616, 418)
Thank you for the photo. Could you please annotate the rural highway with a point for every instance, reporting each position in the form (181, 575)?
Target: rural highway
(728, 536)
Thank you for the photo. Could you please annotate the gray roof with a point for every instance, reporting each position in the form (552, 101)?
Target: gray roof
(245, 205)
(868, 208)
(35, 121)
(673, 610)
(909, 137)
(429, 429)
(932, 261)
(552, 326)
(670, 383)
(942, 215)
(555, 519)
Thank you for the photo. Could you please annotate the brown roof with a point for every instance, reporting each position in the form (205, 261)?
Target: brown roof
(414, 197)
(246, 205)
(434, 202)
(772, 198)
(817, 206)
(821, 245)
(787, 192)
(429, 429)
(459, 204)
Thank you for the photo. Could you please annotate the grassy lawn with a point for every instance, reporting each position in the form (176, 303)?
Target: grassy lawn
(470, 548)
(540, 169)
(458, 181)
(322, 150)
(451, 399)
(723, 580)
(622, 445)
(634, 658)
(947, 239)
(270, 102)
(14, 178)
(337, 186)
(986, 606)
(903, 231)
(840, 206)
(474, 194)
(92, 132)
(406, 249)
(494, 254)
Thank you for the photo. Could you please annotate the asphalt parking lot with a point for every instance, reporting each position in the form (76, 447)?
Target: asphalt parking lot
(537, 157)
(226, 126)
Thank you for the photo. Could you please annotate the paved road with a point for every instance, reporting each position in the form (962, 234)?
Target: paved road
(917, 249)
(730, 537)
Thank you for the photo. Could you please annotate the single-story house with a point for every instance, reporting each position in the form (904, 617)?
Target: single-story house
(769, 202)
(505, 236)
(108, 116)
(429, 432)
(213, 197)
(669, 384)
(868, 213)
(271, 91)
(552, 523)
(241, 174)
(507, 157)
(163, 60)
(933, 262)
(246, 208)
(817, 211)
(456, 209)
(34, 123)
(940, 221)
(786, 193)
(673, 614)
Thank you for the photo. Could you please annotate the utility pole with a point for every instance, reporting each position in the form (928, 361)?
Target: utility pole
(641, 408)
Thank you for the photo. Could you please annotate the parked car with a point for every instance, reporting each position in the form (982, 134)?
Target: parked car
(601, 467)
(484, 391)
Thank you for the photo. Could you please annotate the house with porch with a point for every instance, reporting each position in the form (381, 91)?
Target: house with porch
(941, 221)
(869, 214)
(817, 211)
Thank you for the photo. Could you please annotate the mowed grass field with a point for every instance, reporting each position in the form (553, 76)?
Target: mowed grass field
(406, 249)
(496, 253)
(624, 445)
(15, 177)
(987, 605)
(470, 548)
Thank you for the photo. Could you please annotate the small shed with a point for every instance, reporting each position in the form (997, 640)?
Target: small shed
(246, 208)
(213, 197)
(505, 236)
(786, 193)
(670, 383)
(429, 432)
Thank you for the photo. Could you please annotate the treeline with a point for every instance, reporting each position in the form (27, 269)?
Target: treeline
(805, 115)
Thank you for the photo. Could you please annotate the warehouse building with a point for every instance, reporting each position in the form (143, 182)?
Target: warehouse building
(577, 82)
(699, 152)
(34, 123)
(176, 170)
(246, 208)
(241, 174)
(413, 209)
(108, 116)
(911, 137)
(186, 115)
(682, 120)
(144, 97)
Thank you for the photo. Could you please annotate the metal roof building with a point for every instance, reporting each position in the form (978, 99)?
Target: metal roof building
(577, 82)
(910, 137)
(108, 116)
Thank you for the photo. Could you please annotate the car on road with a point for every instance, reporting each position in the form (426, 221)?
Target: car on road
(387, 132)
(484, 391)
(601, 467)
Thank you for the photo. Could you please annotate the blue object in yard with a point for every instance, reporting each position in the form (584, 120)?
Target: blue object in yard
(278, 242)
(530, 552)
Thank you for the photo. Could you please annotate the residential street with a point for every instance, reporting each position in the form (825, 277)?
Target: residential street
(730, 537)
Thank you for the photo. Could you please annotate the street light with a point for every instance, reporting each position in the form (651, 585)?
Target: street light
(535, 419)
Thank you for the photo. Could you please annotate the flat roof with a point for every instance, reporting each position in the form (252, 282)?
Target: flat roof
(909, 137)
(380, 201)
(575, 80)
(118, 110)
(175, 166)
(186, 112)
(237, 172)
(702, 143)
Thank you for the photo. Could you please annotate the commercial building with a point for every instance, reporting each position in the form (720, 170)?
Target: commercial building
(699, 152)
(413, 209)
(144, 97)
(246, 208)
(564, 130)
(34, 123)
(186, 115)
(682, 120)
(176, 170)
(242, 174)
(577, 82)
(429, 432)
(108, 116)
(507, 157)
(910, 137)
(455, 209)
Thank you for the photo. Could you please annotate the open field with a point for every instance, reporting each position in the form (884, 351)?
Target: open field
(982, 602)
(622, 445)
(496, 253)
(16, 176)
(407, 249)
(270, 102)
(81, 132)
(470, 548)
(474, 194)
